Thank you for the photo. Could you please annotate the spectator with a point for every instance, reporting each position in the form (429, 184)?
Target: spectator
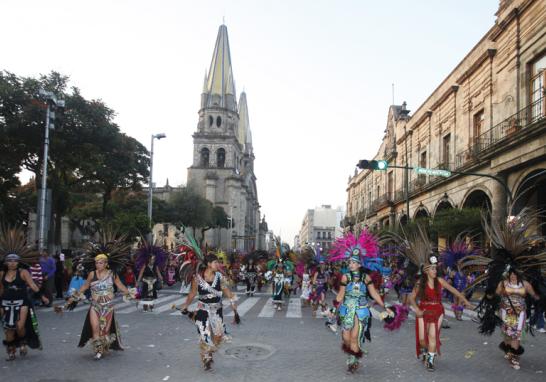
(48, 269)
(59, 275)
(36, 274)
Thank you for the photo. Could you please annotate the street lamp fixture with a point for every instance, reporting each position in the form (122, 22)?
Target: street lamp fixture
(151, 185)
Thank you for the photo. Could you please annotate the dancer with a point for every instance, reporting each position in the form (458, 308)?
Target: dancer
(251, 273)
(320, 284)
(104, 260)
(461, 247)
(278, 286)
(16, 308)
(150, 259)
(513, 272)
(209, 285)
(305, 286)
(352, 298)
(426, 297)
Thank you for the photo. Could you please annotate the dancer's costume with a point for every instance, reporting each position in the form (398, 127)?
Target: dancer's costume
(250, 274)
(278, 267)
(355, 300)
(278, 288)
(208, 317)
(452, 257)
(115, 249)
(150, 283)
(417, 247)
(512, 251)
(305, 287)
(15, 293)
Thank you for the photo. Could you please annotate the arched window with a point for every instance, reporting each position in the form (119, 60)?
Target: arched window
(205, 157)
(211, 120)
(218, 121)
(220, 158)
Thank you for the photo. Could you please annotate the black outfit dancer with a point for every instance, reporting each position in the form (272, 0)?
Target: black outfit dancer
(16, 309)
(250, 277)
(209, 286)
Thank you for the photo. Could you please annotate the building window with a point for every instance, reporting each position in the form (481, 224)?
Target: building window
(423, 159)
(538, 83)
(318, 235)
(220, 158)
(446, 150)
(477, 129)
(330, 235)
(205, 157)
(390, 185)
(211, 120)
(218, 121)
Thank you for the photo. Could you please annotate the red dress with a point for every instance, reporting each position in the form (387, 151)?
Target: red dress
(432, 309)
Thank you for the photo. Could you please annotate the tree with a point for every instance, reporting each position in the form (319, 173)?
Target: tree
(88, 154)
(218, 219)
(451, 222)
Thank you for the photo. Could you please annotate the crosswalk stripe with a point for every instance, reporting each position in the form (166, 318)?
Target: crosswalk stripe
(268, 309)
(245, 306)
(294, 308)
(165, 307)
(133, 308)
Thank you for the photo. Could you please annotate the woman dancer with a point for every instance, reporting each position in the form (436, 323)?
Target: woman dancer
(251, 273)
(426, 297)
(451, 257)
(149, 260)
(514, 272)
(16, 309)
(209, 285)
(352, 298)
(100, 324)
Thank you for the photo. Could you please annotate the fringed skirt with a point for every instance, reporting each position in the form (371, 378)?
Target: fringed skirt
(431, 316)
(108, 327)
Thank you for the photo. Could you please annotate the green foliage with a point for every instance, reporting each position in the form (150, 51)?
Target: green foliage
(449, 223)
(88, 153)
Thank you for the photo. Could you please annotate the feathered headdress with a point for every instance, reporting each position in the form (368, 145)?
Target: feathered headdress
(13, 242)
(514, 249)
(358, 249)
(458, 250)
(414, 245)
(111, 246)
(146, 251)
(191, 264)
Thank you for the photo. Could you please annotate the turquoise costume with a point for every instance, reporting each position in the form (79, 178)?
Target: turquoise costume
(354, 303)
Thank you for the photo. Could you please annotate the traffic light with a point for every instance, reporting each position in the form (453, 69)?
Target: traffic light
(365, 164)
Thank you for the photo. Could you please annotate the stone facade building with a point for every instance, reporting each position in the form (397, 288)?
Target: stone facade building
(223, 156)
(487, 116)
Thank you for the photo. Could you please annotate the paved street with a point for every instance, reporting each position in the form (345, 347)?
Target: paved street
(267, 346)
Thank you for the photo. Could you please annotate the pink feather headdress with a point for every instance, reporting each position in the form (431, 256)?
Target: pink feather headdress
(349, 246)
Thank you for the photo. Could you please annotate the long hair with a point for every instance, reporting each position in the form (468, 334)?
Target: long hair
(422, 285)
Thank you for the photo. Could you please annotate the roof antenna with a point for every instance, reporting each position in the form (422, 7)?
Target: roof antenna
(392, 93)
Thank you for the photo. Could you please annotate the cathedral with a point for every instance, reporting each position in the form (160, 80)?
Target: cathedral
(223, 157)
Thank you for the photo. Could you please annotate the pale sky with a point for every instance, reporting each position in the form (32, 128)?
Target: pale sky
(317, 75)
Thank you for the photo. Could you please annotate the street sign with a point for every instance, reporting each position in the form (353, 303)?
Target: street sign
(432, 171)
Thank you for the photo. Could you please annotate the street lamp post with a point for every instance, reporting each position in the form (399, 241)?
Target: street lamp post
(151, 185)
(231, 226)
(52, 102)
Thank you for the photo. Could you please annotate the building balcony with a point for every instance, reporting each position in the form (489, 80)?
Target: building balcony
(527, 119)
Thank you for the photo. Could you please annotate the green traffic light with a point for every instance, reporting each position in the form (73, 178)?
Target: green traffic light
(382, 165)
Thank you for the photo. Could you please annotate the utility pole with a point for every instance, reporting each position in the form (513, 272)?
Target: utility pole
(52, 104)
(151, 185)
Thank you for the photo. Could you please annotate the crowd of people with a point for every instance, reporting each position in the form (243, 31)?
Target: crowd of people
(397, 272)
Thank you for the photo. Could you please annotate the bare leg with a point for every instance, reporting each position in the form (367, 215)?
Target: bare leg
(21, 333)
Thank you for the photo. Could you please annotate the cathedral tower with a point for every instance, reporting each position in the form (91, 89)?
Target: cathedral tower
(223, 158)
